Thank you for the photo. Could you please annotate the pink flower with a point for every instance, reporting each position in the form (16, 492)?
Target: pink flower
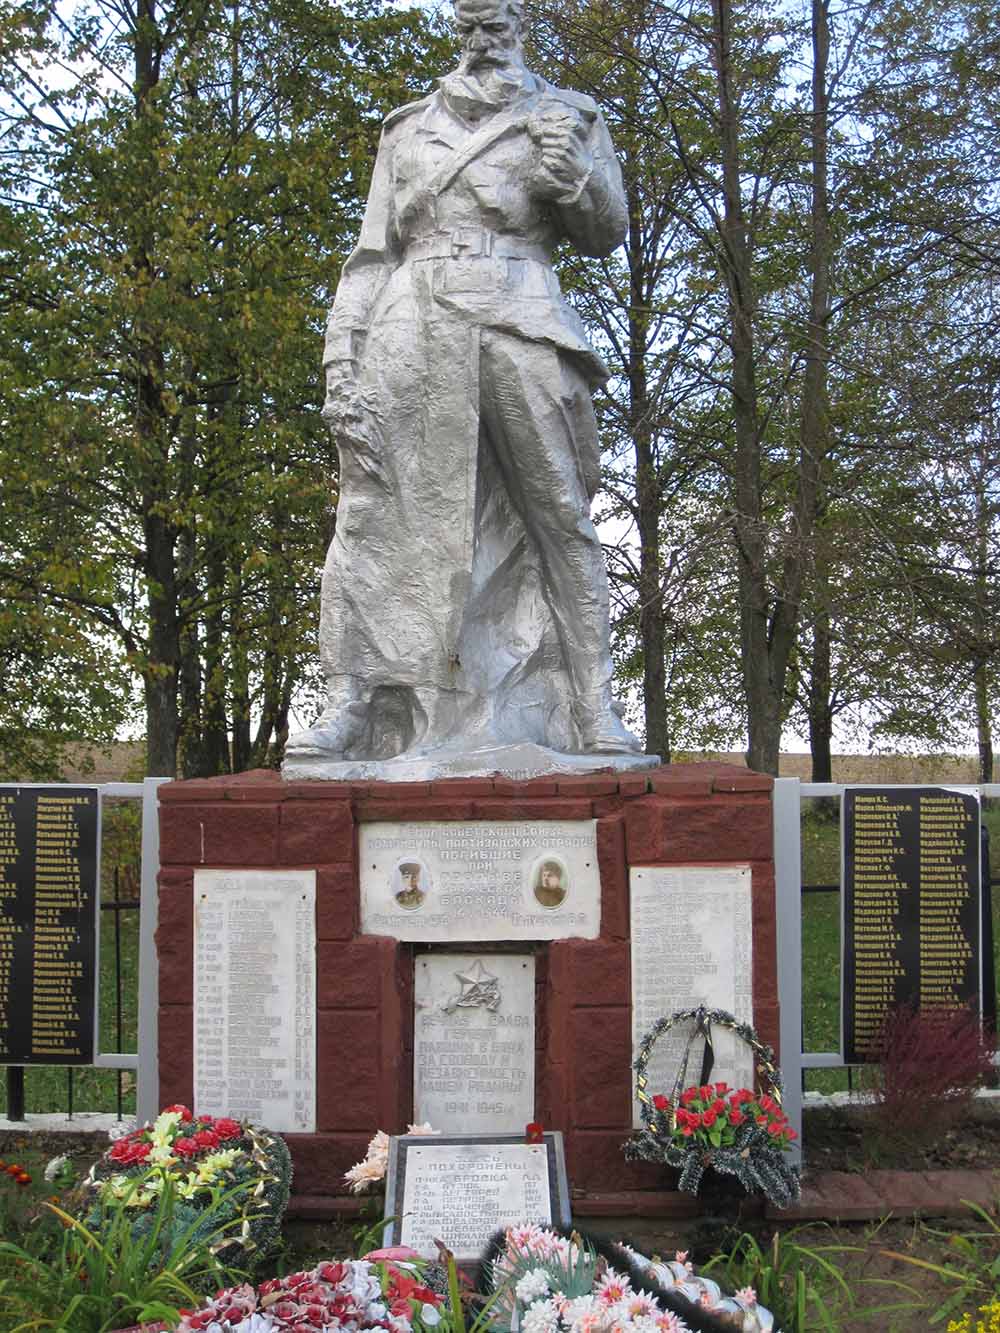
(747, 1295)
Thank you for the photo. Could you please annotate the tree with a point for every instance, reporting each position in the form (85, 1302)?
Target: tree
(193, 192)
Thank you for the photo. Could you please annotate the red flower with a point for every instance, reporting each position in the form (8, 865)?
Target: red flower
(185, 1147)
(721, 1089)
(228, 1129)
(206, 1138)
(534, 1132)
(687, 1130)
(774, 1128)
(688, 1096)
(661, 1103)
(185, 1113)
(24, 1178)
(709, 1118)
(736, 1117)
(705, 1092)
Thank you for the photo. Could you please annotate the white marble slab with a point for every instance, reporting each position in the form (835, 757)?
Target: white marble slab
(255, 996)
(463, 1193)
(691, 944)
(480, 880)
(474, 1042)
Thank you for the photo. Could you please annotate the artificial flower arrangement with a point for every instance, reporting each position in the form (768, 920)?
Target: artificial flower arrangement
(735, 1132)
(546, 1283)
(384, 1290)
(371, 1170)
(230, 1181)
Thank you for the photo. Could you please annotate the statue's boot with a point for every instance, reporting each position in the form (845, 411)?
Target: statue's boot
(340, 726)
(602, 730)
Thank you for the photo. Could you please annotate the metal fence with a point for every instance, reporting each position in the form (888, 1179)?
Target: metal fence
(132, 890)
(789, 794)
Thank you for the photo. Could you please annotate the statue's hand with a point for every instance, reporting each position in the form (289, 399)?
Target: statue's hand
(565, 162)
(353, 420)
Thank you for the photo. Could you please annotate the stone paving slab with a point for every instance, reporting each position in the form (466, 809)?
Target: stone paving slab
(842, 1196)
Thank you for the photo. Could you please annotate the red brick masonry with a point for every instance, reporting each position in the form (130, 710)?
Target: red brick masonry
(684, 814)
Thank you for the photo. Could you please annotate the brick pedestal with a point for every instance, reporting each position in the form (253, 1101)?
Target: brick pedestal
(685, 814)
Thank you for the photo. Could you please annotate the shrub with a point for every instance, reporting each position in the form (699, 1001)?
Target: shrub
(930, 1061)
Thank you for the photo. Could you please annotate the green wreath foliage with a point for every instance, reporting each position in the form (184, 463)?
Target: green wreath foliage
(237, 1216)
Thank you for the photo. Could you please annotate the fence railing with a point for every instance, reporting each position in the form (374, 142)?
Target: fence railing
(788, 796)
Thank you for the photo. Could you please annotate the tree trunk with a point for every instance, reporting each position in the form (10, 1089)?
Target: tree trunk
(647, 483)
(820, 706)
(763, 715)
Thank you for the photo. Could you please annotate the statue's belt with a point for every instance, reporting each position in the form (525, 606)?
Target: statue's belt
(475, 243)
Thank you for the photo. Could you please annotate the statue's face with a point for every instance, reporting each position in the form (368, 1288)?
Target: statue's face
(487, 31)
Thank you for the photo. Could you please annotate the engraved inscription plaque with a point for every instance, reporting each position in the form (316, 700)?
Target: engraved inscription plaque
(474, 1042)
(48, 924)
(480, 880)
(911, 904)
(255, 996)
(691, 944)
(461, 1193)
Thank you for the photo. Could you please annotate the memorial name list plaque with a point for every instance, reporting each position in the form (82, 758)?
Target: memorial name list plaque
(474, 1042)
(480, 880)
(911, 902)
(49, 904)
(462, 1192)
(255, 996)
(691, 945)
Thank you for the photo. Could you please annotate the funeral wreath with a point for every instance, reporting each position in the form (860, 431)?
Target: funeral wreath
(736, 1132)
(233, 1175)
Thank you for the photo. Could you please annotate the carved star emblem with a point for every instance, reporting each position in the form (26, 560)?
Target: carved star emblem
(479, 988)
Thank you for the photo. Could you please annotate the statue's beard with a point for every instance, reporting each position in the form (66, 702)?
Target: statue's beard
(483, 89)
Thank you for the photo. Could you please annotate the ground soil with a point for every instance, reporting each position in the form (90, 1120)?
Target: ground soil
(843, 1139)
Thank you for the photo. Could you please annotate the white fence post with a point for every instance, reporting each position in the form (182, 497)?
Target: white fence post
(147, 1093)
(788, 906)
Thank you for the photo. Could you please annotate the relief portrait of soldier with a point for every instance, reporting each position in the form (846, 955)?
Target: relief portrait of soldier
(550, 884)
(411, 892)
(465, 596)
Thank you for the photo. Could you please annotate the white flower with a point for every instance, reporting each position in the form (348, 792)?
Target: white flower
(425, 1128)
(612, 1288)
(747, 1295)
(120, 1128)
(55, 1166)
(430, 1315)
(579, 1308)
(542, 1317)
(668, 1322)
(365, 1173)
(535, 1283)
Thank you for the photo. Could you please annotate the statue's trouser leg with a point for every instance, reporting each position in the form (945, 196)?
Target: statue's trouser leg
(538, 415)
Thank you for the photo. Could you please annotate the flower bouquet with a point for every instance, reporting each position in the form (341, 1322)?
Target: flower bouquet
(737, 1133)
(545, 1283)
(230, 1182)
(352, 1295)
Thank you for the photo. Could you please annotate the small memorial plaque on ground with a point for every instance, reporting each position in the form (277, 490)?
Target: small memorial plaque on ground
(474, 1042)
(461, 1189)
(48, 924)
(691, 945)
(911, 906)
(255, 996)
(480, 880)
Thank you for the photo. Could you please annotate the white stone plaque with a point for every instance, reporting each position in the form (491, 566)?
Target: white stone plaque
(691, 944)
(463, 1193)
(474, 1042)
(255, 996)
(481, 880)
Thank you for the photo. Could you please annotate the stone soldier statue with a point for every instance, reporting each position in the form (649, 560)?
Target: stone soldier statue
(464, 622)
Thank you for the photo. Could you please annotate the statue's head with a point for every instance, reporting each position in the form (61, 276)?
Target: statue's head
(490, 32)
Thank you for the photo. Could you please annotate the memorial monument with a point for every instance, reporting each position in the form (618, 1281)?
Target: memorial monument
(464, 622)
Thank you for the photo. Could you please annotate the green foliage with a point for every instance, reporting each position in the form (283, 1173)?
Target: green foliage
(802, 1285)
(91, 1281)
